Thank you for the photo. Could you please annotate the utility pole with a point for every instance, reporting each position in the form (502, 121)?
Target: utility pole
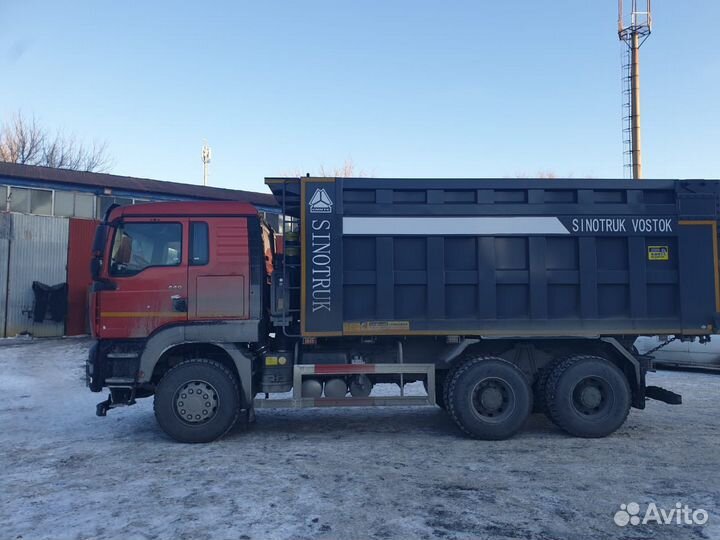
(633, 29)
(206, 157)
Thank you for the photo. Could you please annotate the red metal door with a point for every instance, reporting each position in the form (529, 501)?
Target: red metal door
(80, 240)
(148, 266)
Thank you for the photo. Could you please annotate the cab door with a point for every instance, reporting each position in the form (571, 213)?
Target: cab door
(218, 269)
(148, 267)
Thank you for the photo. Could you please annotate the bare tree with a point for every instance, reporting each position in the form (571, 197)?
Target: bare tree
(548, 174)
(22, 140)
(539, 174)
(346, 170)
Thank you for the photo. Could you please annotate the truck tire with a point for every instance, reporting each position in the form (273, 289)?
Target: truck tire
(440, 378)
(449, 374)
(446, 388)
(587, 396)
(197, 401)
(489, 398)
(540, 385)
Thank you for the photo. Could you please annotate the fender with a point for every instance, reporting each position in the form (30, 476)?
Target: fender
(615, 344)
(639, 387)
(452, 353)
(225, 335)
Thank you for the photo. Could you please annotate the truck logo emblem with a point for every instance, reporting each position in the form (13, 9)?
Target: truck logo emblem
(320, 203)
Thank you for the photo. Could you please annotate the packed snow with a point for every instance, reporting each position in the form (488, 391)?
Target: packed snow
(377, 473)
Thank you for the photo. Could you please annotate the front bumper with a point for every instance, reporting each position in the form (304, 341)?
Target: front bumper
(93, 376)
(112, 364)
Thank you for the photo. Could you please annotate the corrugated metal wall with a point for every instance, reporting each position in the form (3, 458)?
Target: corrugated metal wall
(4, 259)
(38, 252)
(82, 234)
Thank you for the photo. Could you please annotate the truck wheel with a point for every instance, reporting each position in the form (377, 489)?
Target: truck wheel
(540, 385)
(489, 398)
(587, 396)
(197, 401)
(449, 374)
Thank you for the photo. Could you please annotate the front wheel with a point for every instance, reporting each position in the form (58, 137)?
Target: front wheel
(197, 401)
(587, 396)
(489, 398)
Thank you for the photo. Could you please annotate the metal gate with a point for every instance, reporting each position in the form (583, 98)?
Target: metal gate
(38, 252)
(5, 224)
(81, 236)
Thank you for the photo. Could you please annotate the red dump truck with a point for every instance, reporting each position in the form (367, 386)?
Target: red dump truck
(502, 297)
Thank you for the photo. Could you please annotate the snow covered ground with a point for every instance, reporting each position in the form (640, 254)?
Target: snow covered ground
(339, 473)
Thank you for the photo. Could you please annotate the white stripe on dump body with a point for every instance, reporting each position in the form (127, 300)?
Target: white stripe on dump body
(447, 226)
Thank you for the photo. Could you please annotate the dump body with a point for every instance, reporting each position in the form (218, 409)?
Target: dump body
(505, 257)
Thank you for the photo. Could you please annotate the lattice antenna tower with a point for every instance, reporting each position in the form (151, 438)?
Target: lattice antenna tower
(206, 155)
(634, 27)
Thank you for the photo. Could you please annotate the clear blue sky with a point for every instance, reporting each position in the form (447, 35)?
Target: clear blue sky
(403, 88)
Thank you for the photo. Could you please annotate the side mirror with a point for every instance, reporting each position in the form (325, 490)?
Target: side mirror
(99, 240)
(95, 268)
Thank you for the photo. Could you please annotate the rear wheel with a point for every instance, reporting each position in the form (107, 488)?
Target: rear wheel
(587, 396)
(447, 379)
(197, 401)
(489, 398)
(540, 385)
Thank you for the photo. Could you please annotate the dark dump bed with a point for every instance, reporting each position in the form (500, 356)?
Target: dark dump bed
(517, 257)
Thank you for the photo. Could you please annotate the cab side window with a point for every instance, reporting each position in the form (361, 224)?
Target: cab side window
(138, 246)
(199, 243)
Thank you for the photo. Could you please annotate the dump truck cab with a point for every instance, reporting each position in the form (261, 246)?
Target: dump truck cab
(169, 276)
(174, 264)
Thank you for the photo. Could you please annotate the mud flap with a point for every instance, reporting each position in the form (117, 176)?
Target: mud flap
(661, 394)
(246, 418)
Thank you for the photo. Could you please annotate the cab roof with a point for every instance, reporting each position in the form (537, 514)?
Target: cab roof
(184, 209)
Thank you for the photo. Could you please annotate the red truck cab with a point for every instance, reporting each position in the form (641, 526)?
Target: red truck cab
(173, 280)
(173, 263)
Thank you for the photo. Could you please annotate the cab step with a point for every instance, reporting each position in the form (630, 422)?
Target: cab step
(120, 381)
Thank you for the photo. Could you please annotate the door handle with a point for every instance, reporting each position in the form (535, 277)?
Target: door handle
(179, 303)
